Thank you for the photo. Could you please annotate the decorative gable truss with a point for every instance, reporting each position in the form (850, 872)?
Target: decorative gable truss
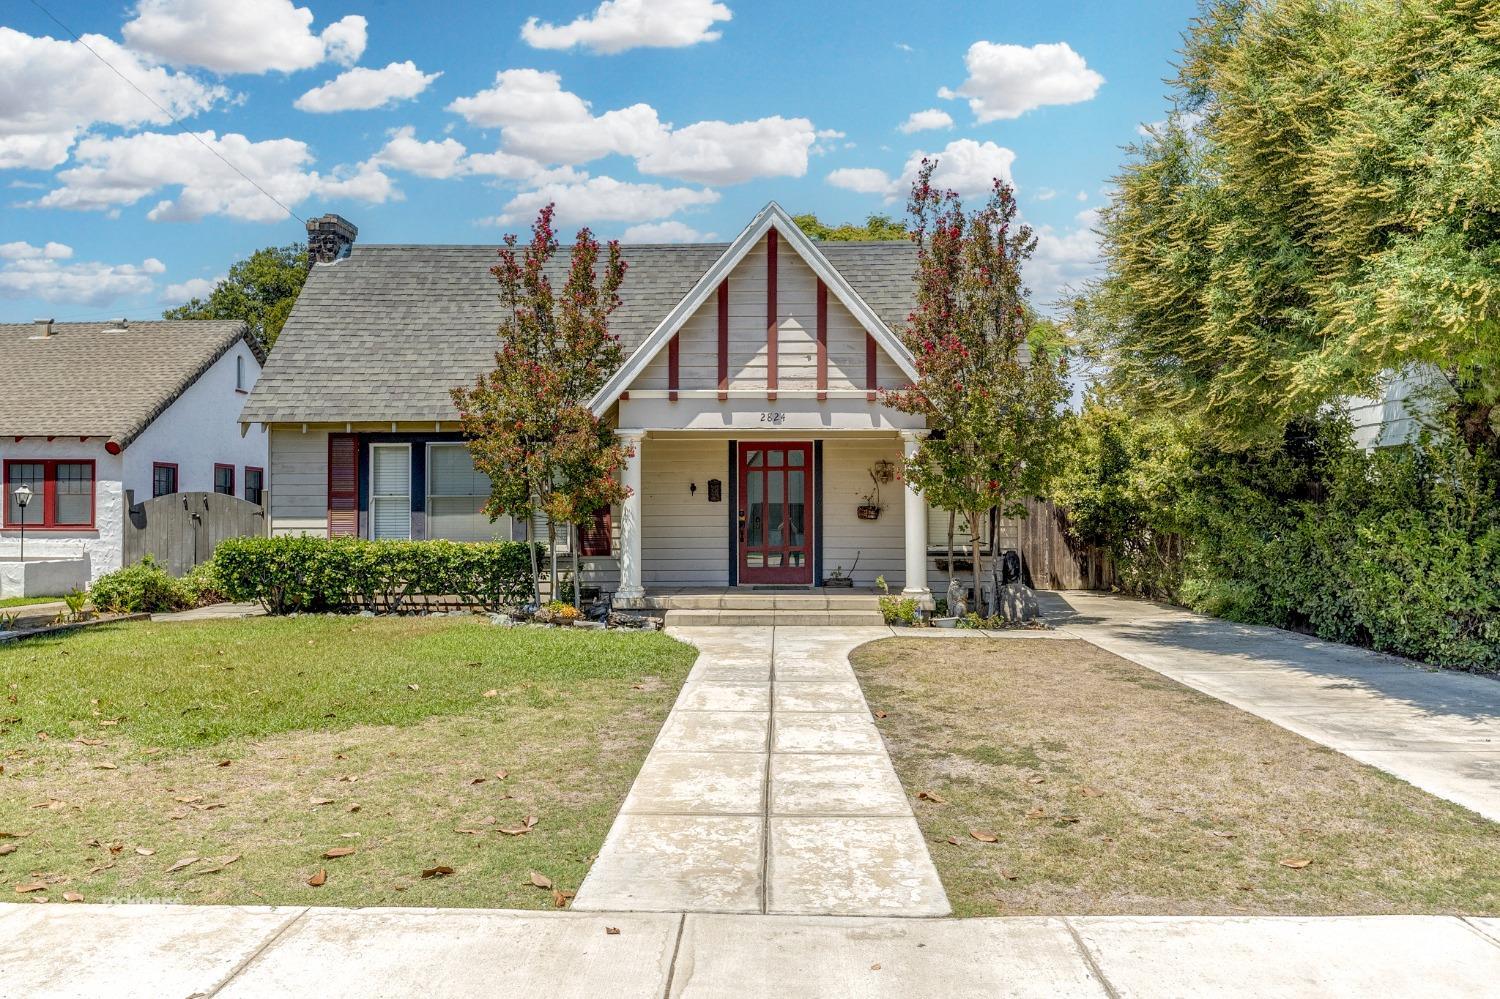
(772, 317)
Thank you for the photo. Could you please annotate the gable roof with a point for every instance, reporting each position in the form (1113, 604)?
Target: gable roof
(101, 380)
(773, 216)
(384, 334)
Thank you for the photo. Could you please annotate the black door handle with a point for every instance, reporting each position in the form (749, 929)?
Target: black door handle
(742, 527)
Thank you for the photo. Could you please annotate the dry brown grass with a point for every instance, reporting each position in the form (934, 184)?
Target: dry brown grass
(1152, 798)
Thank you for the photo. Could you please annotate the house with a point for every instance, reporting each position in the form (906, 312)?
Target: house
(749, 397)
(94, 415)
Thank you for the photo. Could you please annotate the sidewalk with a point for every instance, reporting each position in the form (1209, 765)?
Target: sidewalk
(768, 790)
(150, 951)
(1436, 729)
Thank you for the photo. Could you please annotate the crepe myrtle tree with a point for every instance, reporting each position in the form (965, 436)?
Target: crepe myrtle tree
(528, 421)
(991, 379)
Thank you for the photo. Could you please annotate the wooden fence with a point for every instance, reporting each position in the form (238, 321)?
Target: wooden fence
(180, 530)
(1049, 558)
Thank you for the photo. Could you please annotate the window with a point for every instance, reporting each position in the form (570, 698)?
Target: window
(224, 479)
(239, 374)
(163, 478)
(456, 494)
(255, 485)
(390, 491)
(62, 493)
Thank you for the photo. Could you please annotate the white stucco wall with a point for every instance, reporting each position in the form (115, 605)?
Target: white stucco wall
(196, 431)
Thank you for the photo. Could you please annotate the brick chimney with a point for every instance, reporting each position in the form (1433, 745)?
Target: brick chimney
(329, 238)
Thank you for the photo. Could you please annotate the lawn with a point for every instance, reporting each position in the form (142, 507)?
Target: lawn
(9, 602)
(415, 742)
(1109, 789)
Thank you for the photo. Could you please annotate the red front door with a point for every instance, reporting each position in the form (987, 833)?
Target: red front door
(775, 515)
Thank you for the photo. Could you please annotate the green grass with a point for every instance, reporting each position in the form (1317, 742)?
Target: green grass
(121, 734)
(1111, 789)
(9, 602)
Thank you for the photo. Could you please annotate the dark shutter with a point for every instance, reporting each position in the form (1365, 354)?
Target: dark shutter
(343, 485)
(593, 538)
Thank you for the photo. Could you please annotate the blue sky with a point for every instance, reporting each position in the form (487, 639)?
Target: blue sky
(647, 119)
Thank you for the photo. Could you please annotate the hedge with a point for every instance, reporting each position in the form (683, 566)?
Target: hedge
(146, 587)
(294, 574)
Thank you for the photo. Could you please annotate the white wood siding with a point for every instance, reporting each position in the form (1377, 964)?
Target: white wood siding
(684, 537)
(880, 544)
(299, 481)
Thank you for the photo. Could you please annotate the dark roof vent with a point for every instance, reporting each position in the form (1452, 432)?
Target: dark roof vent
(329, 238)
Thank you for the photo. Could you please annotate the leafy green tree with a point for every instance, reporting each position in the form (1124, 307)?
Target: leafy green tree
(990, 380)
(876, 227)
(1323, 208)
(261, 290)
(528, 421)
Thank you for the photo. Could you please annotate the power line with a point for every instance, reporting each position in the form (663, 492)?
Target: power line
(175, 120)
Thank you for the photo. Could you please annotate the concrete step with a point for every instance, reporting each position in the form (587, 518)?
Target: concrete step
(766, 618)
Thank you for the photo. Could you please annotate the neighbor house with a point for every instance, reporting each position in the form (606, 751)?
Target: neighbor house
(96, 415)
(749, 395)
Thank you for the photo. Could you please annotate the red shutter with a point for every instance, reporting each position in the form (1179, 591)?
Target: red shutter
(593, 538)
(343, 485)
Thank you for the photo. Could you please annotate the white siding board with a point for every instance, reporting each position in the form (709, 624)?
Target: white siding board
(299, 481)
(684, 537)
(880, 544)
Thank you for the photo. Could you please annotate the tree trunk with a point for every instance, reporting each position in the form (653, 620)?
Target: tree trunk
(974, 538)
(552, 560)
(577, 588)
(952, 518)
(536, 570)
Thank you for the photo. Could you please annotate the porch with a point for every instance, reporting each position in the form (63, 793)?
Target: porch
(748, 606)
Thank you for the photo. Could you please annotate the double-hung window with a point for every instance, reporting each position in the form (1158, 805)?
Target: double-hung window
(390, 491)
(255, 485)
(62, 493)
(163, 478)
(224, 479)
(456, 494)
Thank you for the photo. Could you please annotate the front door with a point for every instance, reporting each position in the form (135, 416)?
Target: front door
(775, 514)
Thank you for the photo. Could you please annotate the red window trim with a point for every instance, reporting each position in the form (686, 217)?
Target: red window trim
(176, 476)
(822, 331)
(215, 482)
(673, 362)
(49, 493)
(870, 368)
(723, 339)
(246, 483)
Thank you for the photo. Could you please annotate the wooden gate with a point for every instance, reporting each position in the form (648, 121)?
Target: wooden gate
(180, 530)
(1050, 560)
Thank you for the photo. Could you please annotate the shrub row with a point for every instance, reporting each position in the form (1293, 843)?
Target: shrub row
(147, 588)
(287, 574)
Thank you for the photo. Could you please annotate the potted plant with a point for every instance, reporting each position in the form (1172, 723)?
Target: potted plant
(837, 578)
(883, 473)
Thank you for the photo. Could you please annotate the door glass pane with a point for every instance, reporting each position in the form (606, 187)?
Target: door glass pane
(32, 475)
(773, 560)
(795, 509)
(775, 458)
(753, 457)
(753, 560)
(776, 512)
(75, 493)
(755, 484)
(794, 457)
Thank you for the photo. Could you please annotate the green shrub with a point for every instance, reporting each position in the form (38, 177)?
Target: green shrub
(295, 574)
(141, 588)
(901, 611)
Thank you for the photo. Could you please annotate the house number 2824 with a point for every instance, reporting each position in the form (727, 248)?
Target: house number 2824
(777, 418)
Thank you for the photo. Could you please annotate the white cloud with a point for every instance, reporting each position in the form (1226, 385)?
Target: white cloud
(38, 272)
(1006, 81)
(1063, 262)
(922, 121)
(175, 294)
(604, 199)
(1045, 194)
(1082, 196)
(863, 180)
(664, 232)
(51, 90)
(241, 36)
(366, 182)
(617, 25)
(122, 170)
(406, 152)
(360, 89)
(541, 121)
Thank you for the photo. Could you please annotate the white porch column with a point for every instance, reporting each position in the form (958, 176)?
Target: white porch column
(916, 529)
(630, 519)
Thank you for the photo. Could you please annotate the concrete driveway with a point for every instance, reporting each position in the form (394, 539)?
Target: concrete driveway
(1436, 729)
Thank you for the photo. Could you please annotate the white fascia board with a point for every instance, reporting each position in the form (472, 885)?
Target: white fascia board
(771, 216)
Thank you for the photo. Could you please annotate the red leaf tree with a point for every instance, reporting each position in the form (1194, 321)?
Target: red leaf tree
(528, 420)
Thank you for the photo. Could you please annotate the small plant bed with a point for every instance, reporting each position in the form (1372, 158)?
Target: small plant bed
(322, 760)
(1050, 777)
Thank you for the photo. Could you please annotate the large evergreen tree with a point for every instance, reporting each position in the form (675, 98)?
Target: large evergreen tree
(1323, 208)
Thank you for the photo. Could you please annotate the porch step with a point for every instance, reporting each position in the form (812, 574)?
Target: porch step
(766, 618)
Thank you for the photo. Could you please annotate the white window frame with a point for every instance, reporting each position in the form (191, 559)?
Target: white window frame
(502, 524)
(239, 373)
(373, 496)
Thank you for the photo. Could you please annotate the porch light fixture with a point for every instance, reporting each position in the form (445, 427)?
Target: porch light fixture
(23, 497)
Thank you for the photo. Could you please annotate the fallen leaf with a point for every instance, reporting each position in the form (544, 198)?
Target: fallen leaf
(1008, 874)
(880, 714)
(353, 808)
(116, 847)
(318, 880)
(1068, 819)
(72, 896)
(188, 800)
(1036, 779)
(184, 862)
(338, 851)
(440, 871)
(320, 801)
(1036, 812)
(541, 880)
(478, 780)
(30, 887)
(525, 827)
(1089, 792)
(984, 835)
(952, 840)
(560, 898)
(1222, 834)
(874, 967)
(412, 686)
(145, 851)
(490, 693)
(936, 799)
(612, 931)
(501, 774)
(1295, 863)
(220, 864)
(89, 742)
(105, 766)
(225, 763)
(7, 848)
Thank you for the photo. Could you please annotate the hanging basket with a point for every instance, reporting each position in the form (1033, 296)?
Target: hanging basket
(869, 511)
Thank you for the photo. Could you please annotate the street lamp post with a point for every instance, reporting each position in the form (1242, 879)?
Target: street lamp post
(23, 497)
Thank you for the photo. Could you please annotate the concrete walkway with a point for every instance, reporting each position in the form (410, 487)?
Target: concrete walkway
(768, 790)
(151, 951)
(1436, 729)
